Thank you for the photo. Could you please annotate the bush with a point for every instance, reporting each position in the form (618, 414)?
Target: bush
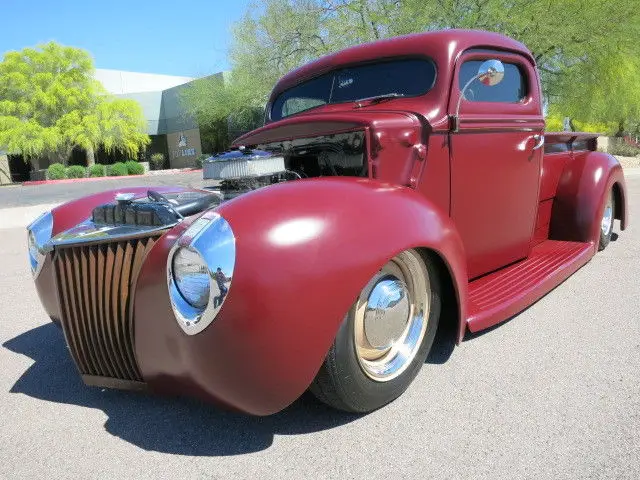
(97, 170)
(56, 171)
(118, 169)
(200, 159)
(76, 171)
(617, 146)
(157, 161)
(134, 168)
(624, 150)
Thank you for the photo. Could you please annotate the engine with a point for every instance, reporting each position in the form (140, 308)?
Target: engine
(240, 171)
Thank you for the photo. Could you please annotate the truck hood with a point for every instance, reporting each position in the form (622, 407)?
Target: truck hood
(408, 125)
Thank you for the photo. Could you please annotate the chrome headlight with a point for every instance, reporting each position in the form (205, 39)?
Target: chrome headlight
(191, 275)
(38, 234)
(199, 272)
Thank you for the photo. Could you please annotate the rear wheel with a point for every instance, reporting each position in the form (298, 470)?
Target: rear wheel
(384, 338)
(606, 223)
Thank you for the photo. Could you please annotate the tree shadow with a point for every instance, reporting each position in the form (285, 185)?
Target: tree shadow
(163, 424)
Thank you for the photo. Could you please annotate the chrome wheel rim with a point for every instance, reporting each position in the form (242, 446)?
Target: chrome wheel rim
(391, 317)
(607, 217)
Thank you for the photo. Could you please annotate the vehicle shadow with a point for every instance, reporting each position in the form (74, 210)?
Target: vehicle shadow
(163, 424)
(444, 342)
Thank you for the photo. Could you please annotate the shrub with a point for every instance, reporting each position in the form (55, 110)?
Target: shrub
(157, 161)
(76, 171)
(200, 159)
(617, 146)
(118, 169)
(56, 171)
(624, 150)
(134, 168)
(97, 170)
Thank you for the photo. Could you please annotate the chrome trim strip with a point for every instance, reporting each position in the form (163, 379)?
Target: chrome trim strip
(211, 236)
(88, 232)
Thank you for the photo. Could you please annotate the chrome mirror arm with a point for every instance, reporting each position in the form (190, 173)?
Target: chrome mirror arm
(456, 117)
(490, 73)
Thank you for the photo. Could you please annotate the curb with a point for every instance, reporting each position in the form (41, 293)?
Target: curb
(156, 173)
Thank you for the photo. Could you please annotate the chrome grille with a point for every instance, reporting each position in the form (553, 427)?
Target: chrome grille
(96, 285)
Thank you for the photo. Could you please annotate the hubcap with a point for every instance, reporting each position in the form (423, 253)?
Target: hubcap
(607, 217)
(391, 317)
(387, 313)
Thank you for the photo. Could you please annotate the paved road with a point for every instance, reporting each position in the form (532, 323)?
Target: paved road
(554, 394)
(19, 196)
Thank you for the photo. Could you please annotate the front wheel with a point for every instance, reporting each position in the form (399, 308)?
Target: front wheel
(606, 223)
(384, 338)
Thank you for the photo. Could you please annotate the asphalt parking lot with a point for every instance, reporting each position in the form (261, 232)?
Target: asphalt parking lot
(18, 196)
(553, 393)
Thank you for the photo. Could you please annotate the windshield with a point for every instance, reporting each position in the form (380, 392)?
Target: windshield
(406, 77)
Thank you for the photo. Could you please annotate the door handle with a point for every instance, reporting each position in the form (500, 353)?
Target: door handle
(539, 141)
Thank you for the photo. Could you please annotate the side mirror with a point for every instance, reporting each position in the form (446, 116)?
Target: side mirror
(490, 73)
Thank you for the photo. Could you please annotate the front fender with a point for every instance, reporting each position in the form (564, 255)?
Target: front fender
(579, 201)
(304, 250)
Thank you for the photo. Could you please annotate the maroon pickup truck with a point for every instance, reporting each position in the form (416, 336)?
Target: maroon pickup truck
(395, 187)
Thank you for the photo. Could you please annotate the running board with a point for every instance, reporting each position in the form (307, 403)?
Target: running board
(498, 296)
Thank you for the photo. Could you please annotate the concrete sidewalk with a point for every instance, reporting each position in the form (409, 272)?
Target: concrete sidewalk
(20, 217)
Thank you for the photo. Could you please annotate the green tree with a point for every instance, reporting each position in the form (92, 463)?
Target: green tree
(573, 41)
(602, 89)
(51, 103)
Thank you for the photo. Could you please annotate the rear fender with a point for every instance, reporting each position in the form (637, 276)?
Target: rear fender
(304, 251)
(579, 201)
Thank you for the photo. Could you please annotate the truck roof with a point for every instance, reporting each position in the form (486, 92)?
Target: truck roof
(442, 43)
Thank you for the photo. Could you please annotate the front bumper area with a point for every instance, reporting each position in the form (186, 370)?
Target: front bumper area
(95, 285)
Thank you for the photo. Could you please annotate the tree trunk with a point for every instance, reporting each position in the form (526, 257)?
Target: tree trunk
(91, 158)
(62, 155)
(35, 163)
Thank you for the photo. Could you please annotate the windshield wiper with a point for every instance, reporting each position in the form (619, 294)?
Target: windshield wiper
(377, 98)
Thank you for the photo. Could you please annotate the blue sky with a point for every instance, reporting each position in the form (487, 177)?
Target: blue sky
(179, 37)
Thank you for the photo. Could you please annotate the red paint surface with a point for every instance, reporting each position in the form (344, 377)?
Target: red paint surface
(541, 232)
(500, 295)
(579, 201)
(286, 300)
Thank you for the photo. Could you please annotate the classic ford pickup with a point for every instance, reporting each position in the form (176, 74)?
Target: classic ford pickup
(395, 187)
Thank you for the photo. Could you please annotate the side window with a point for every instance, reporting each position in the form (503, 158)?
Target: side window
(512, 89)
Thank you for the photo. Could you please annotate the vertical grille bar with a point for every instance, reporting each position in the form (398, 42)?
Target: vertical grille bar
(82, 312)
(89, 256)
(96, 286)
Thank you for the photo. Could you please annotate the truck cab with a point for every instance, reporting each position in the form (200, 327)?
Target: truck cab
(418, 112)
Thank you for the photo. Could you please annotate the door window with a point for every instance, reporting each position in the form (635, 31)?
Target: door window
(512, 89)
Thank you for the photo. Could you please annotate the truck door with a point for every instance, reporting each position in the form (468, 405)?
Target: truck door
(496, 160)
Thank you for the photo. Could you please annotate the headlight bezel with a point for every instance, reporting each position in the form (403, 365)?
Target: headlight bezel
(39, 233)
(212, 238)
